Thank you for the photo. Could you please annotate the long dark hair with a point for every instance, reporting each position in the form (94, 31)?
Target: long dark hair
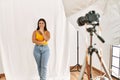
(41, 19)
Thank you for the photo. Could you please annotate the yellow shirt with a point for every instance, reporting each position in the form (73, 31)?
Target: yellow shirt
(40, 37)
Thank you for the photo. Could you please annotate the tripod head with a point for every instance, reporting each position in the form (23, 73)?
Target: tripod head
(91, 30)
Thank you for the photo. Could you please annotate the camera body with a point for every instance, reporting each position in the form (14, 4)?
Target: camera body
(90, 18)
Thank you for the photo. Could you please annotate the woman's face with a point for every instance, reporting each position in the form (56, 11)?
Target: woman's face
(41, 24)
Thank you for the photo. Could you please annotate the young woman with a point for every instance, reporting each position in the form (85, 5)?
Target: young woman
(41, 50)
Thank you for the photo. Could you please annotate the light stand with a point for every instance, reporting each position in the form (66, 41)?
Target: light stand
(90, 51)
(77, 65)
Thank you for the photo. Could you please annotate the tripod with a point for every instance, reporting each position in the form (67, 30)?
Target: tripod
(90, 51)
(77, 65)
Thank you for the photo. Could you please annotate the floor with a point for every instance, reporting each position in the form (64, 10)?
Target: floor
(95, 74)
(75, 75)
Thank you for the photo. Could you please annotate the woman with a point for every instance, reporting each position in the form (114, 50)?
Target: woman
(41, 50)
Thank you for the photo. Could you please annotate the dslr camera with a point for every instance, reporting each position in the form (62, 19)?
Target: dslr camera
(91, 18)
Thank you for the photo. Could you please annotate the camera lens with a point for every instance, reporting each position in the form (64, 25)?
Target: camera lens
(81, 21)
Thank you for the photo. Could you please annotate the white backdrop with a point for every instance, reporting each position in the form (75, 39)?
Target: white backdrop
(18, 19)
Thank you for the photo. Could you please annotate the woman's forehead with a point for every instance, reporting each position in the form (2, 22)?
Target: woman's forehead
(41, 21)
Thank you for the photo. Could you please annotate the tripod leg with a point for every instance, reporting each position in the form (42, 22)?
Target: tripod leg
(88, 69)
(104, 66)
(83, 68)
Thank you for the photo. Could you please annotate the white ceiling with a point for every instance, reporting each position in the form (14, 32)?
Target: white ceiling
(72, 6)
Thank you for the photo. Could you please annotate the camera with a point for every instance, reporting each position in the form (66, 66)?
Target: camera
(90, 18)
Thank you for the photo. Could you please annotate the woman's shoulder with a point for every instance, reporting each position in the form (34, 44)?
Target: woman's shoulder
(47, 31)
